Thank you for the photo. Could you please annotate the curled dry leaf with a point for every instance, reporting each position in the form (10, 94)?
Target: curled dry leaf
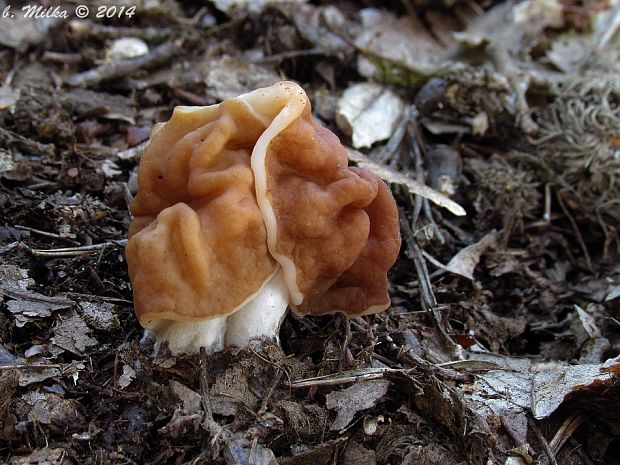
(72, 334)
(368, 112)
(127, 377)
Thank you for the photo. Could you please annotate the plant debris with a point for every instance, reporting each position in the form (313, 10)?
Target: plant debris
(494, 123)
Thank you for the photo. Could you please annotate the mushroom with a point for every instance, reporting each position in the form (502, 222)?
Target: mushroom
(246, 208)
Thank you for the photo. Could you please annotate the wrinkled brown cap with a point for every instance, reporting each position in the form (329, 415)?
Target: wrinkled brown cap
(229, 192)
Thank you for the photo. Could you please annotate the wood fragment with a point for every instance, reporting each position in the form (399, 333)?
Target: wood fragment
(47, 234)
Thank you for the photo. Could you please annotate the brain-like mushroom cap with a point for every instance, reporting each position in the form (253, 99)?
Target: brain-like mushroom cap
(227, 193)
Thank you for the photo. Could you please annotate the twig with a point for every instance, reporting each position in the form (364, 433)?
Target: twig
(265, 401)
(127, 195)
(365, 374)
(278, 57)
(65, 58)
(212, 427)
(76, 251)
(101, 298)
(119, 68)
(46, 234)
(25, 366)
(386, 152)
(428, 300)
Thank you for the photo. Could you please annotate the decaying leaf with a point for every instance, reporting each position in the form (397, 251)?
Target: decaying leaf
(181, 425)
(368, 112)
(360, 396)
(323, 454)
(21, 31)
(72, 334)
(44, 456)
(553, 383)
(518, 386)
(26, 305)
(100, 315)
(356, 454)
(229, 76)
(241, 450)
(37, 375)
(8, 383)
(303, 422)
(465, 261)
(50, 408)
(239, 7)
(231, 390)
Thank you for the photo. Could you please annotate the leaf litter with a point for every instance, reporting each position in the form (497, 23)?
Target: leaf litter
(499, 140)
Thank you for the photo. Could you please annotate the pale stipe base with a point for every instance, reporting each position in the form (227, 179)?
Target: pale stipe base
(189, 336)
(262, 316)
(259, 318)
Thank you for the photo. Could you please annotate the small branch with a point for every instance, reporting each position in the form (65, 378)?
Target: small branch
(120, 68)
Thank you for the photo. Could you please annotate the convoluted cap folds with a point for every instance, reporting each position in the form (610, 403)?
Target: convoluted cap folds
(231, 192)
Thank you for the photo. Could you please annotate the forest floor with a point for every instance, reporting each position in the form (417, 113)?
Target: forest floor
(497, 127)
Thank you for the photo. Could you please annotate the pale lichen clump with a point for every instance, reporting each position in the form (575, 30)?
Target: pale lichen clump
(580, 139)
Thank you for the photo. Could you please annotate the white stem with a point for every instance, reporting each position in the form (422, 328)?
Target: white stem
(261, 317)
(189, 336)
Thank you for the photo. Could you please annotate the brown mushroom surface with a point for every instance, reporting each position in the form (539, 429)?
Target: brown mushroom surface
(253, 197)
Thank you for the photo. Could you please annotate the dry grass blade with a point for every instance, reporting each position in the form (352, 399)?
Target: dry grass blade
(414, 187)
(77, 251)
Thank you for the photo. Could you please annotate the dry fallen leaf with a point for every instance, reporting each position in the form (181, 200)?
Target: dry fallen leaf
(191, 400)
(100, 315)
(405, 40)
(465, 261)
(26, 305)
